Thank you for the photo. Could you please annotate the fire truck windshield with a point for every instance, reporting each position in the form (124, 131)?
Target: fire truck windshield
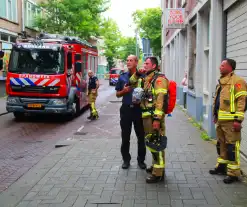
(36, 61)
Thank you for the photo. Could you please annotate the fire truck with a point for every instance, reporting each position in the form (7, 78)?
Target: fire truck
(48, 75)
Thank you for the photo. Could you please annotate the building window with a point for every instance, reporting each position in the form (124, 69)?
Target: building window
(192, 67)
(208, 29)
(7, 38)
(12, 39)
(8, 10)
(32, 11)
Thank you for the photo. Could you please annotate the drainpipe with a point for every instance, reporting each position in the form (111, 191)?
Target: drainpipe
(23, 15)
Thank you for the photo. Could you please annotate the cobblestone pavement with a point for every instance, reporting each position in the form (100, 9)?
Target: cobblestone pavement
(23, 144)
(89, 172)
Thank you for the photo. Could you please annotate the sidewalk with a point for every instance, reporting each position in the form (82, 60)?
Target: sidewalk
(89, 172)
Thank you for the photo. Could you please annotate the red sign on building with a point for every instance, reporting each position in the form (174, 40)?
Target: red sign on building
(174, 18)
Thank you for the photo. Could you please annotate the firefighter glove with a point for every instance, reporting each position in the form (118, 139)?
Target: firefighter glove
(156, 125)
(141, 71)
(237, 126)
(215, 120)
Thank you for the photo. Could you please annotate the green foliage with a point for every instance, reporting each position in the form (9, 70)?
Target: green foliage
(205, 136)
(149, 23)
(127, 46)
(72, 17)
(195, 123)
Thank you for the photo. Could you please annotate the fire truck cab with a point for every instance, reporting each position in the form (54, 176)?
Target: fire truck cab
(49, 75)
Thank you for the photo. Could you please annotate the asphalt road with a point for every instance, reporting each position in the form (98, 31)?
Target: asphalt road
(23, 144)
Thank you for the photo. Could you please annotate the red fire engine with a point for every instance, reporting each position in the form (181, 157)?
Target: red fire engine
(49, 75)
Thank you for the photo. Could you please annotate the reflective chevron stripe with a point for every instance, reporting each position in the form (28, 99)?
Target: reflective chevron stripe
(34, 82)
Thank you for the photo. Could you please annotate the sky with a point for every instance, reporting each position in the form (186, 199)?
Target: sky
(121, 11)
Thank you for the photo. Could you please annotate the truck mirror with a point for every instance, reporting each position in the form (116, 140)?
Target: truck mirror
(78, 67)
(1, 64)
(69, 60)
(1, 54)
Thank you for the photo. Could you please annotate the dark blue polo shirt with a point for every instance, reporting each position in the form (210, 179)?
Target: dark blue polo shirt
(124, 79)
(92, 82)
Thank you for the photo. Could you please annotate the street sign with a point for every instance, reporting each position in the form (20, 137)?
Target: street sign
(175, 18)
(145, 55)
(145, 45)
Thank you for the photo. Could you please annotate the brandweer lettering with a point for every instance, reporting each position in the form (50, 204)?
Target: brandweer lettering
(33, 76)
(37, 46)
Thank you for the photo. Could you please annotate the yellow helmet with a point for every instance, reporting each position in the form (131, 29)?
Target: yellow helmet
(156, 142)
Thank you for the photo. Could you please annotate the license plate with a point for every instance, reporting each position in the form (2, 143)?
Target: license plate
(34, 105)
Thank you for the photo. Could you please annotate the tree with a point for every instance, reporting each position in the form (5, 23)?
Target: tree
(112, 40)
(149, 23)
(127, 47)
(72, 17)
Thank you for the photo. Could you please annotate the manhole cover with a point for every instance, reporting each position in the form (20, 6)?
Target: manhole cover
(80, 133)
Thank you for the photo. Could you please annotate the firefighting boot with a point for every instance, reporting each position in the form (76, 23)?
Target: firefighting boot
(95, 116)
(154, 179)
(230, 179)
(220, 170)
(90, 117)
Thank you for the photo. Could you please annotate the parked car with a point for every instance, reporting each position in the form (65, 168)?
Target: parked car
(114, 75)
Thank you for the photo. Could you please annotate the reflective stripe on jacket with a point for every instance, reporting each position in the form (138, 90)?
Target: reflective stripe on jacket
(154, 107)
(232, 98)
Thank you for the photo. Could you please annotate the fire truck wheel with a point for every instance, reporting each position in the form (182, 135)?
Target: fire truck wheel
(19, 115)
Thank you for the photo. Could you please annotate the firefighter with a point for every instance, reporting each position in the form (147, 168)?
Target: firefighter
(93, 86)
(152, 112)
(228, 111)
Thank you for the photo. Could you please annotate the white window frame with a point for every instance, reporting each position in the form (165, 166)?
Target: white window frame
(183, 2)
(11, 10)
(30, 16)
(175, 3)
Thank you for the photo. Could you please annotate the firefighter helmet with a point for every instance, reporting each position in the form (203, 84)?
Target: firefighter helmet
(156, 142)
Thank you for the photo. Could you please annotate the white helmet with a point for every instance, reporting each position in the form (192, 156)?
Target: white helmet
(137, 95)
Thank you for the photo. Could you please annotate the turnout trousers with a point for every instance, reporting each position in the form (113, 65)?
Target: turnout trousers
(228, 148)
(92, 99)
(158, 161)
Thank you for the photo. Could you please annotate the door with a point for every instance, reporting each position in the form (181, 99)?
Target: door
(236, 48)
(84, 78)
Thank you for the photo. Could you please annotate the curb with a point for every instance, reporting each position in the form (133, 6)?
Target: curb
(2, 114)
